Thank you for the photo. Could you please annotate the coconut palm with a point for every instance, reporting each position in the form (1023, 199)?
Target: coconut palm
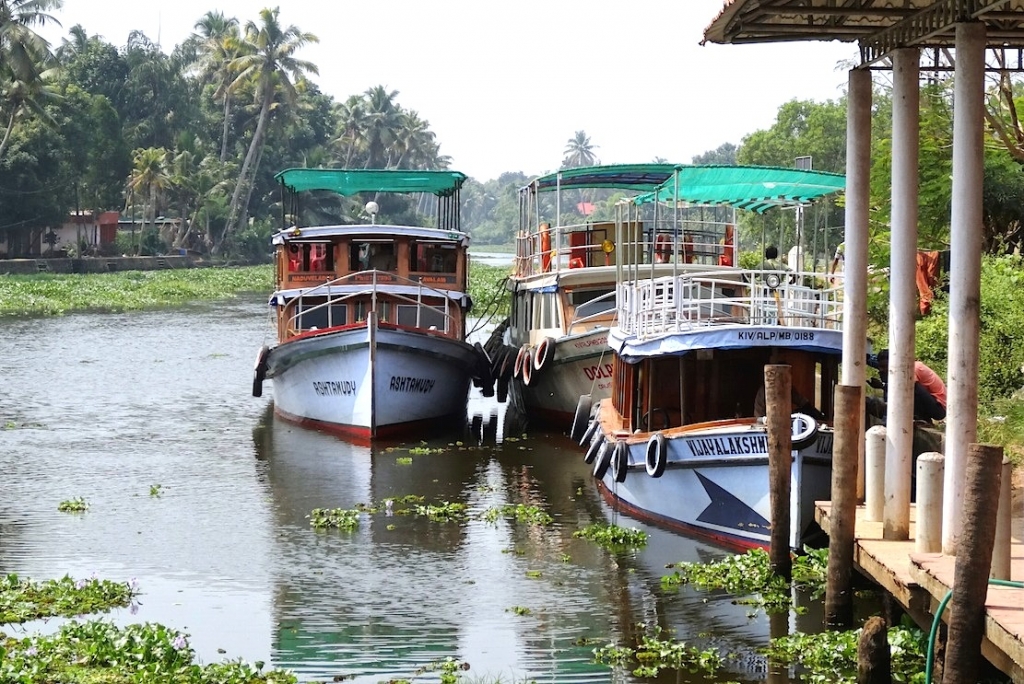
(269, 62)
(219, 45)
(149, 179)
(384, 121)
(352, 127)
(20, 47)
(24, 95)
(579, 151)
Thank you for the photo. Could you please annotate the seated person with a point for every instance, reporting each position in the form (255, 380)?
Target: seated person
(929, 390)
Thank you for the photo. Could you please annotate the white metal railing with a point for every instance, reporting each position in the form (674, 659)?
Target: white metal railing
(653, 307)
(371, 290)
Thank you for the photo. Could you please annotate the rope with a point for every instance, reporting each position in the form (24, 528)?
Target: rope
(488, 315)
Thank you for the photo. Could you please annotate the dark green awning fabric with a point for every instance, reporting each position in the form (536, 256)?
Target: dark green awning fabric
(352, 181)
(757, 188)
(639, 177)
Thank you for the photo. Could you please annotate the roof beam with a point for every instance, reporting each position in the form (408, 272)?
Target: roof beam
(919, 27)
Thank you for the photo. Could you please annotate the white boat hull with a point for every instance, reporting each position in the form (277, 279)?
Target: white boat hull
(715, 484)
(364, 384)
(582, 364)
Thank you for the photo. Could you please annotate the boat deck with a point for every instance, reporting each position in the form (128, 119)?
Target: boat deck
(919, 581)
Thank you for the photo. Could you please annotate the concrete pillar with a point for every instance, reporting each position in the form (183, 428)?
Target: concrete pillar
(874, 477)
(928, 538)
(1001, 549)
(855, 279)
(965, 271)
(902, 293)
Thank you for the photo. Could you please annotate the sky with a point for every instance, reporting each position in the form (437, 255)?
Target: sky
(506, 85)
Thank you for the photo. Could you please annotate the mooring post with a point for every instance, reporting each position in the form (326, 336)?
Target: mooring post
(874, 662)
(973, 563)
(874, 475)
(843, 519)
(930, 473)
(778, 401)
(778, 628)
(1001, 546)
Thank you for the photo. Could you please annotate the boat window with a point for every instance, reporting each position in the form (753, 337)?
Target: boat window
(364, 256)
(589, 302)
(316, 315)
(432, 257)
(317, 257)
(427, 317)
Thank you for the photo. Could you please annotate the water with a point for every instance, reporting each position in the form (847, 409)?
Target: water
(105, 406)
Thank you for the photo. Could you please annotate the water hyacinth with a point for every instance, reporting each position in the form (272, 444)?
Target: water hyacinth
(22, 600)
(612, 536)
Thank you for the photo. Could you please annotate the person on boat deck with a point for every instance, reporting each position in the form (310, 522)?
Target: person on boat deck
(772, 262)
(800, 405)
(929, 390)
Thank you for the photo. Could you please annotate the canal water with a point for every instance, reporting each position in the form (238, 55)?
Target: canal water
(200, 494)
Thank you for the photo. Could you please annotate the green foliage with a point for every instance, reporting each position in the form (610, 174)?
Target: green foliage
(22, 600)
(442, 512)
(338, 518)
(56, 294)
(487, 288)
(97, 651)
(76, 505)
(831, 657)
(612, 536)
(520, 512)
(652, 654)
(1002, 325)
(750, 575)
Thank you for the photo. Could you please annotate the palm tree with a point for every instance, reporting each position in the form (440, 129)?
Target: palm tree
(352, 127)
(269, 61)
(579, 152)
(76, 44)
(220, 45)
(383, 124)
(20, 47)
(19, 96)
(149, 179)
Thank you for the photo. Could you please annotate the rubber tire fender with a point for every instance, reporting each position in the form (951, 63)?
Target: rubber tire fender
(620, 461)
(657, 455)
(603, 459)
(595, 445)
(591, 430)
(581, 418)
(807, 436)
(521, 356)
(259, 372)
(543, 354)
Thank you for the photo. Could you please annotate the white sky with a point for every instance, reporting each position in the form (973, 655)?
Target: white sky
(505, 85)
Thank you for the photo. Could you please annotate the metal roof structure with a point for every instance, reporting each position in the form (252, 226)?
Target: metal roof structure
(878, 26)
(351, 181)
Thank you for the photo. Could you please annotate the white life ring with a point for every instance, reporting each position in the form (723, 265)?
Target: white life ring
(620, 461)
(805, 431)
(657, 455)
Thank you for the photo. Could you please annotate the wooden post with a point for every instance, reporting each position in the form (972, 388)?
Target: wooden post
(874, 473)
(874, 662)
(1001, 547)
(930, 473)
(778, 407)
(845, 454)
(778, 627)
(973, 561)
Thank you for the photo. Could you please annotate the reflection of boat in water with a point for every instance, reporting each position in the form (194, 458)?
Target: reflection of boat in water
(563, 291)
(371, 318)
(680, 441)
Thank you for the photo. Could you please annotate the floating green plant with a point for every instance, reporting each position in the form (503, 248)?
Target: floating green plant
(22, 600)
(404, 460)
(423, 451)
(340, 518)
(832, 656)
(98, 651)
(520, 512)
(76, 505)
(613, 536)
(652, 654)
(534, 574)
(750, 574)
(442, 512)
(155, 490)
(518, 610)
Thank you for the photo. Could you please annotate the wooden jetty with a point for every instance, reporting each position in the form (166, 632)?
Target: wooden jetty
(919, 581)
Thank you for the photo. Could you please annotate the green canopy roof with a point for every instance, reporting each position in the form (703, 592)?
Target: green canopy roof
(352, 181)
(757, 188)
(639, 177)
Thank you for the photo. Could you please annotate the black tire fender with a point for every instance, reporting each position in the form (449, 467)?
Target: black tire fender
(805, 431)
(581, 417)
(657, 455)
(595, 445)
(603, 459)
(620, 461)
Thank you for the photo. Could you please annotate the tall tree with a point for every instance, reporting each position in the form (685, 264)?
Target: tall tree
(383, 123)
(150, 178)
(220, 46)
(579, 151)
(270, 62)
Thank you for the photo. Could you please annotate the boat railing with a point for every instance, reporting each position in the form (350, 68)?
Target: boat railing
(555, 248)
(375, 282)
(686, 302)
